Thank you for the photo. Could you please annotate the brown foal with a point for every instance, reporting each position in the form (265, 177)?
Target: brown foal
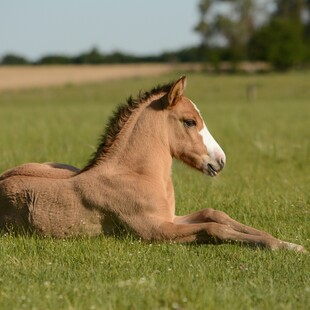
(128, 182)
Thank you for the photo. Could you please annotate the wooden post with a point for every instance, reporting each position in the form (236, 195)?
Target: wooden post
(251, 92)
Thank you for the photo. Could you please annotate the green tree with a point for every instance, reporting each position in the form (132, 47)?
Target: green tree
(280, 42)
(290, 9)
(231, 27)
(92, 57)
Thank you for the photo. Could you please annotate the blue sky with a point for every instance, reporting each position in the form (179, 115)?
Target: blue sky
(34, 28)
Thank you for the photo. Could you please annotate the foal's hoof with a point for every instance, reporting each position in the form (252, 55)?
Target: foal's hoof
(293, 247)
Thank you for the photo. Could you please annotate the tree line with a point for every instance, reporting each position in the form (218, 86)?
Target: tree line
(94, 56)
(274, 31)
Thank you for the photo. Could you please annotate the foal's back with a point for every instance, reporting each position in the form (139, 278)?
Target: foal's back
(45, 170)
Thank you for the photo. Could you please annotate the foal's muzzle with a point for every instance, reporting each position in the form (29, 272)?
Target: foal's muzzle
(213, 167)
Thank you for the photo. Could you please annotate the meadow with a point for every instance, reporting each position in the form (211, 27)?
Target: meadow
(265, 184)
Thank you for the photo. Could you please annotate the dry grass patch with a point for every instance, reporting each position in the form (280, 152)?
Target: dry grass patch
(22, 77)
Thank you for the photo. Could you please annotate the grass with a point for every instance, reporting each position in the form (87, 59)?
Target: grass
(265, 184)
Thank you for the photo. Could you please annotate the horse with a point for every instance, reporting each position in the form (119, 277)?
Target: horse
(127, 185)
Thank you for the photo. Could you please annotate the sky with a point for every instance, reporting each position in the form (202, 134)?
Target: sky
(35, 28)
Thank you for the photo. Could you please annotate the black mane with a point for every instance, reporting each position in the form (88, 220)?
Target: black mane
(119, 118)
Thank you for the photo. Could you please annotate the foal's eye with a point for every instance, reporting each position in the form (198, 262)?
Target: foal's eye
(189, 123)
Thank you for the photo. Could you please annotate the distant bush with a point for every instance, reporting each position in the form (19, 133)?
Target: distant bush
(55, 59)
(13, 59)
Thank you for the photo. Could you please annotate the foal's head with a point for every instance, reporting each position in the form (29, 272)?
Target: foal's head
(189, 137)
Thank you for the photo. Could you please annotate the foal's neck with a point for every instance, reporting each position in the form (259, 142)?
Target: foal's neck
(146, 149)
(142, 146)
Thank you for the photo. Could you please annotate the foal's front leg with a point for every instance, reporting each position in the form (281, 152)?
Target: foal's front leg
(220, 217)
(212, 232)
(225, 228)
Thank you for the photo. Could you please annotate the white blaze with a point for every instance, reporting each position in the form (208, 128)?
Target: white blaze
(214, 150)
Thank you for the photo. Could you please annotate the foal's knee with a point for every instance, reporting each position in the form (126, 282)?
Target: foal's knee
(208, 214)
(212, 215)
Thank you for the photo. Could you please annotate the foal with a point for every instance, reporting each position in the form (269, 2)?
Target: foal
(128, 182)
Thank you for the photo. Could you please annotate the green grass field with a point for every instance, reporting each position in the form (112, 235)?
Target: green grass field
(266, 184)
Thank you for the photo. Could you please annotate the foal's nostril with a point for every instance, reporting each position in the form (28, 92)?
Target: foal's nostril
(220, 159)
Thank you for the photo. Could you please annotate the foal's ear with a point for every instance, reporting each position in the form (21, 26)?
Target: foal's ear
(176, 91)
